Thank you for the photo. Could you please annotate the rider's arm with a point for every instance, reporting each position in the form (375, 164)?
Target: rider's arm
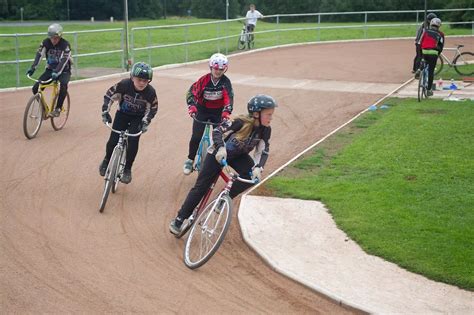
(113, 94)
(65, 56)
(228, 95)
(419, 32)
(151, 106)
(441, 43)
(41, 52)
(225, 128)
(266, 139)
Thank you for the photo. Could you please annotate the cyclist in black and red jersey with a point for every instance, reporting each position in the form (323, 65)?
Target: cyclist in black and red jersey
(425, 25)
(209, 98)
(432, 43)
(233, 141)
(58, 63)
(137, 106)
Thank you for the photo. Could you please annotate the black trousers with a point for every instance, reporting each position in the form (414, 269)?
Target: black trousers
(123, 122)
(242, 164)
(63, 78)
(431, 61)
(416, 61)
(198, 128)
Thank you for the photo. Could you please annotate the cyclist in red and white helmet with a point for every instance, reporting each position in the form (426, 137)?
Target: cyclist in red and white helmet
(209, 98)
(432, 43)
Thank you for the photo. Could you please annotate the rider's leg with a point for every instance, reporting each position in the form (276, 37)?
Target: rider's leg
(64, 80)
(132, 150)
(45, 76)
(242, 165)
(431, 61)
(120, 123)
(207, 175)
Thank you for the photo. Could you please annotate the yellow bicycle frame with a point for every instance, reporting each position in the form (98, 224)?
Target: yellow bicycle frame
(49, 101)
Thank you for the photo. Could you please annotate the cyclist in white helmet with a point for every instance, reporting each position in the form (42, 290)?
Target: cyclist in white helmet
(209, 98)
(432, 43)
(425, 25)
(58, 63)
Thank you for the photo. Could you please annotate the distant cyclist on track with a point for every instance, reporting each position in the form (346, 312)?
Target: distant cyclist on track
(137, 106)
(211, 98)
(58, 63)
(251, 19)
(432, 43)
(233, 141)
(425, 25)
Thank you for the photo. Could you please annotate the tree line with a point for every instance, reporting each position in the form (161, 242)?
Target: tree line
(216, 9)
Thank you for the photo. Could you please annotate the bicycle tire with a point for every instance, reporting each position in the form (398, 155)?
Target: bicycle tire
(119, 168)
(59, 122)
(251, 42)
(439, 65)
(420, 85)
(464, 63)
(210, 217)
(240, 44)
(34, 106)
(109, 178)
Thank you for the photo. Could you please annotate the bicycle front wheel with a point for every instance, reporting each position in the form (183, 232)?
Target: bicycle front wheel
(109, 178)
(421, 85)
(208, 232)
(464, 63)
(59, 122)
(33, 116)
(205, 146)
(119, 168)
(439, 65)
(241, 43)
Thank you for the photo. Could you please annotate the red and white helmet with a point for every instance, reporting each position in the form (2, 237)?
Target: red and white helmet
(218, 61)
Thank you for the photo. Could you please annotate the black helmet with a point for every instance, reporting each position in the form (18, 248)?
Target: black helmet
(142, 70)
(259, 102)
(431, 16)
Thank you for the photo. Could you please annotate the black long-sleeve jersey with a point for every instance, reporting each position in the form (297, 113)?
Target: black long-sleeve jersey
(131, 102)
(259, 139)
(58, 57)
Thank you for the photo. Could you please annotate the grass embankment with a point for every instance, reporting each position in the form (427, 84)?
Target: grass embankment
(400, 182)
(108, 41)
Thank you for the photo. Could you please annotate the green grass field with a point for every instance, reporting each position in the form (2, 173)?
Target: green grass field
(83, 43)
(400, 182)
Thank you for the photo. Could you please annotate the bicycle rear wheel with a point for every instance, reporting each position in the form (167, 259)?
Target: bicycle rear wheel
(109, 177)
(33, 116)
(439, 65)
(421, 80)
(464, 63)
(208, 232)
(59, 122)
(241, 40)
(251, 42)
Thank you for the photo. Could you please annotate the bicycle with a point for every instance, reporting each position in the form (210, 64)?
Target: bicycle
(463, 62)
(116, 164)
(41, 105)
(423, 81)
(205, 143)
(246, 39)
(209, 222)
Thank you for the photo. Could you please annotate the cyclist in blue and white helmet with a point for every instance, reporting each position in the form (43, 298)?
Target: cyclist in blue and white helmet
(233, 142)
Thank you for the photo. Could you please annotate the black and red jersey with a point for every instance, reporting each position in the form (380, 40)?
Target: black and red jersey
(212, 95)
(132, 102)
(58, 57)
(432, 40)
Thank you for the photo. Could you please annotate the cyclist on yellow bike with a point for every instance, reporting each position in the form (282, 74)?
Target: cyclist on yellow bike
(58, 63)
(233, 141)
(137, 106)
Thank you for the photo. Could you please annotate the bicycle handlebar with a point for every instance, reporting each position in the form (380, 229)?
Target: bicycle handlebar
(125, 133)
(39, 81)
(236, 175)
(205, 122)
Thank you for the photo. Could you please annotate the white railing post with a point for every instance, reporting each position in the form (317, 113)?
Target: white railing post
(319, 27)
(76, 57)
(365, 25)
(17, 55)
(149, 44)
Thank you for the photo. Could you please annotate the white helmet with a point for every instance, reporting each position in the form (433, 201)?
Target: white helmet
(435, 22)
(55, 30)
(218, 61)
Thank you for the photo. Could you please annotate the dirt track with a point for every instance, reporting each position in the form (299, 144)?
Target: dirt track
(58, 254)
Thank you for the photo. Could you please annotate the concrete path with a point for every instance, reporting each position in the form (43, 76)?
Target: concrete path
(300, 240)
(464, 90)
